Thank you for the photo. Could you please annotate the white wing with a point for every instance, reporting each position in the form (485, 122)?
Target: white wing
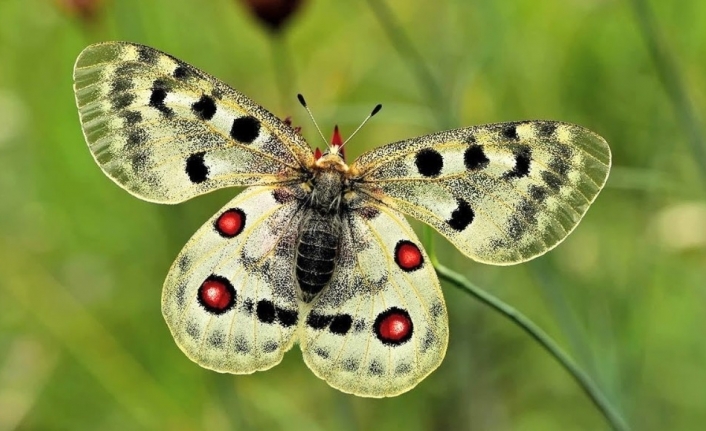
(166, 131)
(230, 297)
(502, 193)
(380, 327)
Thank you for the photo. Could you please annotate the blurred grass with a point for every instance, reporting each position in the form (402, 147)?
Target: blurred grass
(82, 341)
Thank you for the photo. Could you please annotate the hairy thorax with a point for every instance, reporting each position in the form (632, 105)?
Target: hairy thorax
(320, 233)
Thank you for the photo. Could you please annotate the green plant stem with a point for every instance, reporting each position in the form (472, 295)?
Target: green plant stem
(672, 81)
(584, 381)
(285, 75)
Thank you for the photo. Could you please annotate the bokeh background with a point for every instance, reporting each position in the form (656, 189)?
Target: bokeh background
(83, 345)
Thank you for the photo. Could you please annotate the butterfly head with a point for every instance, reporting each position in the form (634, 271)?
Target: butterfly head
(333, 157)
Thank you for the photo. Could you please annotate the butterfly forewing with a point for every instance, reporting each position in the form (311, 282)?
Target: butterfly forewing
(230, 297)
(166, 131)
(502, 193)
(381, 326)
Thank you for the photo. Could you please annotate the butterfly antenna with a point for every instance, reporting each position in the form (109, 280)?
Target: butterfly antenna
(375, 111)
(303, 103)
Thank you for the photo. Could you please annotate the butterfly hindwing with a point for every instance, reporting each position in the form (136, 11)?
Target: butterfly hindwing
(166, 131)
(502, 193)
(380, 326)
(230, 297)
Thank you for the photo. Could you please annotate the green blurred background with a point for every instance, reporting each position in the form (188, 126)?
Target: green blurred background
(83, 345)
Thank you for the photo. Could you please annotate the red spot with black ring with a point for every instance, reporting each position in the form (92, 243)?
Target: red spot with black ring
(216, 294)
(408, 256)
(230, 223)
(393, 326)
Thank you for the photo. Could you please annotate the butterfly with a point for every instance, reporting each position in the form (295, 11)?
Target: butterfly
(315, 251)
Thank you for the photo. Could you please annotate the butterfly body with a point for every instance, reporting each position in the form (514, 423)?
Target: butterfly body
(321, 227)
(315, 251)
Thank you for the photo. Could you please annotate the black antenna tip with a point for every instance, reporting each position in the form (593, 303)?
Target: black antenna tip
(376, 110)
(301, 100)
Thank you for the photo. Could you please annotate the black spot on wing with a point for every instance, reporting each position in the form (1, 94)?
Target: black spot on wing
(184, 262)
(128, 69)
(265, 311)
(375, 368)
(196, 168)
(241, 345)
(538, 193)
(429, 162)
(560, 166)
(559, 163)
(429, 341)
(523, 219)
(546, 130)
(552, 180)
(147, 55)
(341, 324)
(321, 353)
(402, 369)
(121, 84)
(269, 346)
(286, 317)
(359, 326)
(509, 131)
(138, 161)
(181, 72)
(248, 306)
(205, 108)
(350, 364)
(318, 321)
(192, 330)
(462, 216)
(160, 89)
(523, 158)
(474, 158)
(217, 340)
(131, 117)
(121, 101)
(436, 310)
(181, 294)
(245, 129)
(136, 137)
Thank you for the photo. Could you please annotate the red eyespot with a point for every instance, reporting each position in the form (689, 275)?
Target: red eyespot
(317, 154)
(393, 326)
(230, 223)
(408, 256)
(216, 294)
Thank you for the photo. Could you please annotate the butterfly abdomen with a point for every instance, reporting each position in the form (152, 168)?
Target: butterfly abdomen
(316, 253)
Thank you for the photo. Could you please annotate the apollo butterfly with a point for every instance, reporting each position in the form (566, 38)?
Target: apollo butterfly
(316, 251)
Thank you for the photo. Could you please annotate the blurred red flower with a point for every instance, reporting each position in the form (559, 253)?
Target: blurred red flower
(273, 14)
(87, 10)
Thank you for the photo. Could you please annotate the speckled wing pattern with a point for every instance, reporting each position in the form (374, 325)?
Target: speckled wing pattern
(248, 284)
(230, 299)
(166, 131)
(349, 336)
(502, 193)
